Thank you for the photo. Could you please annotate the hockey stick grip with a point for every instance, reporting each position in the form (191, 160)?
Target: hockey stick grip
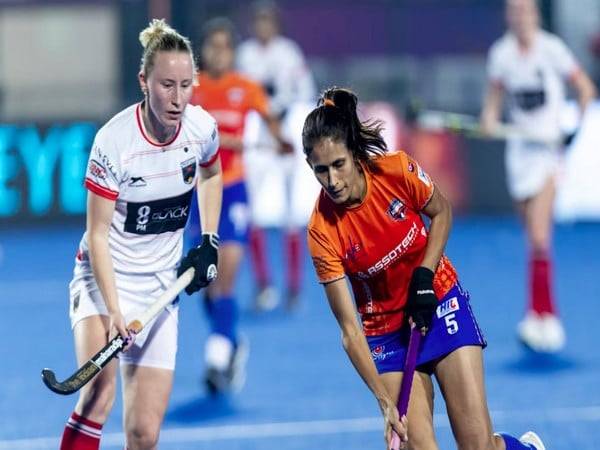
(410, 364)
(165, 298)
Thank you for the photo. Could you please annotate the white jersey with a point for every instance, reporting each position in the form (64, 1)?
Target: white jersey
(280, 67)
(152, 185)
(533, 80)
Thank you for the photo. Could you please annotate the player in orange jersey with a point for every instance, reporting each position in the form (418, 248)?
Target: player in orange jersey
(228, 97)
(367, 226)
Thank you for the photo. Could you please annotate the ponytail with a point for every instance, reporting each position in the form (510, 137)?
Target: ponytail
(336, 117)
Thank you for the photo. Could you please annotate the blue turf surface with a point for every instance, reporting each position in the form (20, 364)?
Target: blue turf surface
(298, 373)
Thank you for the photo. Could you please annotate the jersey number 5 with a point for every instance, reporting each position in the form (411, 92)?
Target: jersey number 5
(451, 323)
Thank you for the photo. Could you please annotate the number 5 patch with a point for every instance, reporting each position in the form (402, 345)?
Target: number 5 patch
(447, 310)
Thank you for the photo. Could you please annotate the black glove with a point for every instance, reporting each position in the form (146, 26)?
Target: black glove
(422, 301)
(204, 260)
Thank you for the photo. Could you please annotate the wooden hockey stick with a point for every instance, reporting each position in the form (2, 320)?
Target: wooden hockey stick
(96, 363)
(410, 364)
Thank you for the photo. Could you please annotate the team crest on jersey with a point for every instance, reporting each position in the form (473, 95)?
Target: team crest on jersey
(449, 306)
(188, 170)
(397, 210)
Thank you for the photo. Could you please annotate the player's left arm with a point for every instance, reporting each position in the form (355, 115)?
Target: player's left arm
(438, 209)
(422, 301)
(584, 87)
(204, 258)
(210, 194)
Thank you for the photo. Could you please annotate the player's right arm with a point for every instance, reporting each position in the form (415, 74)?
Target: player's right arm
(492, 107)
(357, 349)
(494, 96)
(99, 217)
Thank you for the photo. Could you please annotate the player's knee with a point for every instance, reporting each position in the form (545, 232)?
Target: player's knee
(142, 436)
(97, 398)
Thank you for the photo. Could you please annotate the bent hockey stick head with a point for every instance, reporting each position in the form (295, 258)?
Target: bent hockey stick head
(85, 373)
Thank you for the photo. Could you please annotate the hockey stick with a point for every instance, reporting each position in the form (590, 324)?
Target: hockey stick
(469, 126)
(96, 363)
(409, 371)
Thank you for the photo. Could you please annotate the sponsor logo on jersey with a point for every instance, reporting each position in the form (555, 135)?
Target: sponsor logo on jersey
(188, 170)
(393, 254)
(411, 167)
(379, 353)
(137, 182)
(423, 176)
(447, 307)
(158, 216)
(352, 251)
(397, 210)
(107, 164)
(96, 170)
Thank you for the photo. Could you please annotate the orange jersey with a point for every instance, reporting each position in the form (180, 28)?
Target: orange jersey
(228, 99)
(378, 243)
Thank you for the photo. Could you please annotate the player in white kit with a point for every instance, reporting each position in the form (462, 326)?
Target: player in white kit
(142, 169)
(530, 66)
(277, 63)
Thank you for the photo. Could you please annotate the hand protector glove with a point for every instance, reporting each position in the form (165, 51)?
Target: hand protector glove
(204, 260)
(422, 301)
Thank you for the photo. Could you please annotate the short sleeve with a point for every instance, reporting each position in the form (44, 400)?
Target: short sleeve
(210, 151)
(563, 59)
(103, 172)
(415, 182)
(326, 261)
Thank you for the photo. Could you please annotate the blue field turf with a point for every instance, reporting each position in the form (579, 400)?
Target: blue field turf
(301, 391)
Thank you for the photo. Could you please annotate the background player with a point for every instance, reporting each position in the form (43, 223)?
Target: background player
(530, 66)
(278, 64)
(140, 176)
(228, 96)
(367, 226)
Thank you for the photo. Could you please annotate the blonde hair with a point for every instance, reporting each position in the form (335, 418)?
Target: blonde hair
(158, 36)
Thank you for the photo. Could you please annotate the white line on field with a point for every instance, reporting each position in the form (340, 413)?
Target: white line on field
(309, 428)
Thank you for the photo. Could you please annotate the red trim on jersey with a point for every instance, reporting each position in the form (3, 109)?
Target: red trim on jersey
(100, 190)
(212, 160)
(141, 127)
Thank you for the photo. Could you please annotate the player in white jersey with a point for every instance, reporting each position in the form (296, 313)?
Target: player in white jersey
(142, 169)
(530, 66)
(278, 64)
